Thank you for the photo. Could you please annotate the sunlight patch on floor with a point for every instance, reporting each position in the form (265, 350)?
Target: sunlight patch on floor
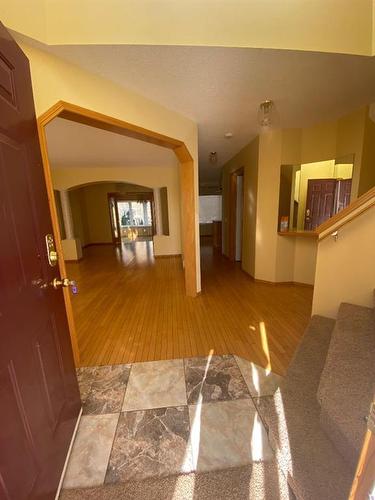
(196, 425)
(264, 342)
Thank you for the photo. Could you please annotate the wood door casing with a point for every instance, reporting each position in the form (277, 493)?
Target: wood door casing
(39, 394)
(343, 190)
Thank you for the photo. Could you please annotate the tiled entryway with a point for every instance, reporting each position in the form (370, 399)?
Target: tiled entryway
(166, 417)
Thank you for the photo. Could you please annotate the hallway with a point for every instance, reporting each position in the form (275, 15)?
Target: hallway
(132, 307)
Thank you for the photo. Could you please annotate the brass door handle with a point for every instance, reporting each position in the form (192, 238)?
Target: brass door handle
(63, 283)
(57, 283)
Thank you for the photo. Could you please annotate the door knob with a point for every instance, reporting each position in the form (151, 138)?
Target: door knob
(65, 283)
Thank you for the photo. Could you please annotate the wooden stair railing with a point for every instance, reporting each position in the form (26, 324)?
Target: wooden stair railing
(363, 486)
(356, 208)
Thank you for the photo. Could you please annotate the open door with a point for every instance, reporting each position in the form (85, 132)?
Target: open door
(39, 395)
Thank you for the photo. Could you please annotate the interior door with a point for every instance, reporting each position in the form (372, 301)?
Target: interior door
(320, 202)
(39, 394)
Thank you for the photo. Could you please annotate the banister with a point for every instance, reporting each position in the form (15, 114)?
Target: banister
(356, 208)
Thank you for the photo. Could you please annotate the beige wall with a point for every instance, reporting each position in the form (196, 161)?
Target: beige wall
(248, 159)
(301, 25)
(345, 270)
(54, 79)
(151, 177)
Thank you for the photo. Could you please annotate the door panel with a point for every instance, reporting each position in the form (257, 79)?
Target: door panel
(19, 452)
(51, 372)
(320, 202)
(39, 393)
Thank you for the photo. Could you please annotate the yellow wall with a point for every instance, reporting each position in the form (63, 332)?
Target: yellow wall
(150, 177)
(344, 170)
(367, 178)
(98, 221)
(54, 79)
(345, 270)
(270, 148)
(320, 25)
(247, 158)
(79, 216)
(59, 213)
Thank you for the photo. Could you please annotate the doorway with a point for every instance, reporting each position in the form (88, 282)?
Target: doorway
(236, 200)
(132, 217)
(185, 165)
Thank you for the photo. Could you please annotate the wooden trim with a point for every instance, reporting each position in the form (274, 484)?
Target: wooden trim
(56, 233)
(281, 283)
(141, 196)
(364, 476)
(356, 208)
(75, 261)
(182, 153)
(95, 119)
(188, 226)
(167, 256)
(92, 118)
(273, 283)
(298, 234)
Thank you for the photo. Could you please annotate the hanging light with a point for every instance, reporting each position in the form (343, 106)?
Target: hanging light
(213, 157)
(265, 113)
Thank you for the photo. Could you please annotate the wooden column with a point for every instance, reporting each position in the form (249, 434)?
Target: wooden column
(188, 219)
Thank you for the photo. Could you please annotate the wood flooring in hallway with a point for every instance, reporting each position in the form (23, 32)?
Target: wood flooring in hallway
(132, 307)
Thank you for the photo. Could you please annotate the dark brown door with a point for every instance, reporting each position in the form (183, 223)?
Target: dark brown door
(38, 387)
(320, 202)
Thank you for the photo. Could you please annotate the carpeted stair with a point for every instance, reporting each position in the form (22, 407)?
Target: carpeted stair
(317, 418)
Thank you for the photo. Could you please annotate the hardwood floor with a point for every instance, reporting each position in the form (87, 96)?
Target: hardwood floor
(132, 307)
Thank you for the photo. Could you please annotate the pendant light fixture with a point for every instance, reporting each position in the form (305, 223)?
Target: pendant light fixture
(266, 113)
(213, 157)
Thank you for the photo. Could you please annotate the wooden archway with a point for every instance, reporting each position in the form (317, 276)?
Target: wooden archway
(186, 164)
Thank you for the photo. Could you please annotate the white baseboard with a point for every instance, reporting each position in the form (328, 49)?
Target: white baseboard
(68, 456)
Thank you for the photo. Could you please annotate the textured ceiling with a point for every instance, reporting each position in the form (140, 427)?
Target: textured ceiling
(221, 88)
(72, 144)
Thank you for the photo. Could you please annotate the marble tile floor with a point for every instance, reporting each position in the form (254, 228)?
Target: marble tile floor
(160, 418)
